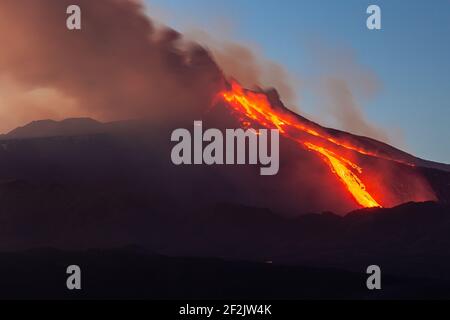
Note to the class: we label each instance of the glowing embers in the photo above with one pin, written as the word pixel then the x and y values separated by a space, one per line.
pixel 256 107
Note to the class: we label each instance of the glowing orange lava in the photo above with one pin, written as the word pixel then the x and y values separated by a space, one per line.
pixel 256 106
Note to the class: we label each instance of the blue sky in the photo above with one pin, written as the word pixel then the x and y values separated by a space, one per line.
pixel 409 56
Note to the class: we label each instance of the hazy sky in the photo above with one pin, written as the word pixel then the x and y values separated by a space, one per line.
pixel 409 56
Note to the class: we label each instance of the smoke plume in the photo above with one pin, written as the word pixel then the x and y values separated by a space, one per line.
pixel 123 65
pixel 247 65
pixel 118 66
pixel 343 85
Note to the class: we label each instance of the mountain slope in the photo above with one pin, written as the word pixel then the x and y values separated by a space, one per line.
pixel 51 128
pixel 119 187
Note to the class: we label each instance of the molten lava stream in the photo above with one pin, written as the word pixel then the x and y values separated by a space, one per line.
pixel 256 107
pixel 350 179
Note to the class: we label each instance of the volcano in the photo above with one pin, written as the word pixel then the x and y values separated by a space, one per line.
pixel 80 184
pixel 322 169
pixel 103 192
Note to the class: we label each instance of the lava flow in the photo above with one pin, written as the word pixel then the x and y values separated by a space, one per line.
pixel 256 107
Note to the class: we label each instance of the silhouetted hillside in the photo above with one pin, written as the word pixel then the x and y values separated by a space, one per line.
pixel 136 274
pixel 51 128
pixel 118 187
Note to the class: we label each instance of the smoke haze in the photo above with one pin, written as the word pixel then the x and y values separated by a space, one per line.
pixel 122 65
pixel 118 66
